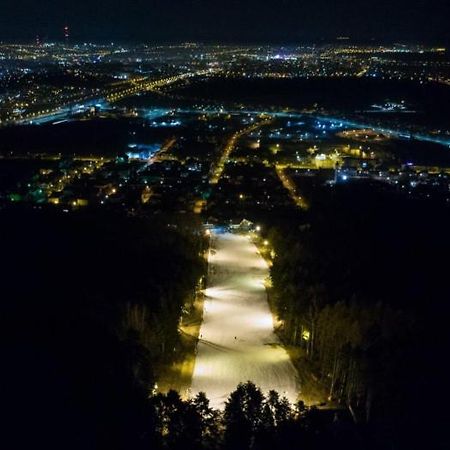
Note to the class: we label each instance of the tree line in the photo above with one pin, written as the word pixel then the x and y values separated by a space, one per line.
pixel 358 284
pixel 90 309
pixel 251 419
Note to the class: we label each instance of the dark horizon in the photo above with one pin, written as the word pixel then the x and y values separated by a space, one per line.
pixel 234 22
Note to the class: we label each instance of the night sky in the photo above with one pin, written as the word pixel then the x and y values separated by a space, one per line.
pixel 280 21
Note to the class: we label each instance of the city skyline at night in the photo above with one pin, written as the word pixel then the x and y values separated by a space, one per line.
pixel 224 225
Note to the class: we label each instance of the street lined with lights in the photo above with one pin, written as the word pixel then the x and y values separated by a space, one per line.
pixel 290 186
pixel 237 340
pixel 129 88
pixel 229 147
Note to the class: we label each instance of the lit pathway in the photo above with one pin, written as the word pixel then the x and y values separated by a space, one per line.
pixel 237 341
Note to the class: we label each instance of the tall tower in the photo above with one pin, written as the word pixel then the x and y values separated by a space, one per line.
pixel 66 33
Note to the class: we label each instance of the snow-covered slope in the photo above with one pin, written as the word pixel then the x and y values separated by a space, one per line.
pixel 237 341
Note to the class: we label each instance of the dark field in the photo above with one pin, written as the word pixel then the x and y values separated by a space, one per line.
pixel 105 137
pixel 346 95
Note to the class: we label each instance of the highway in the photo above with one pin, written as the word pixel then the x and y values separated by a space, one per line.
pixel 237 342
pixel 111 95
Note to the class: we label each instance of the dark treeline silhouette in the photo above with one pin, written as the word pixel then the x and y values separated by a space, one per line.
pixel 361 285
pixel 250 420
pixel 90 306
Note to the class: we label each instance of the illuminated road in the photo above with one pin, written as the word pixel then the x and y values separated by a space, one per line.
pixel 229 147
pixel 111 95
pixel 291 188
pixel 237 341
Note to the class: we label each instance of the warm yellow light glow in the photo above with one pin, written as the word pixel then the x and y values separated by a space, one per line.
pixel 236 340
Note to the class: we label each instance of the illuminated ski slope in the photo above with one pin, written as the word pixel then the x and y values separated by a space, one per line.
pixel 237 341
